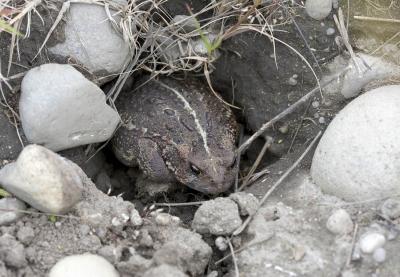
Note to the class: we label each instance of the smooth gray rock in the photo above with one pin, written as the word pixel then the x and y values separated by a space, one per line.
pixel 91 39
pixel 185 22
pixel 12 204
pixel 43 179
pixel 217 217
pixel 61 109
pixel 318 9
pixel 83 266
pixel 358 156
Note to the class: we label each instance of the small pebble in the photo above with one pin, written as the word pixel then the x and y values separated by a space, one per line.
pixel 284 129
pixel 330 31
pixel 213 274
pixel 371 241
pixel 315 104
pixel 13 205
pixel 391 208
pixel 247 202
pixel 292 81
pixel 25 235
pixel 318 9
pixel 135 218
pixel 379 255
pixel 84 229
pixel 58 224
pixel 322 120
pixel 340 222
pixel 221 243
pixel 163 219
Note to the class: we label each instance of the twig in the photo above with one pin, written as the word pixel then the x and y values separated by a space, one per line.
pixel 267 145
pixel 281 179
pixel 60 15
pixel 299 127
pixel 288 111
pixel 245 247
pixel 353 242
pixel 233 257
pixel 39 213
pixel 367 18
pixel 179 204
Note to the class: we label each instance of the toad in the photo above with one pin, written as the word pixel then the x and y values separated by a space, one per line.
pixel 177 130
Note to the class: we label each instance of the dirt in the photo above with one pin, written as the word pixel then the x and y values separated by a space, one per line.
pixel 290 230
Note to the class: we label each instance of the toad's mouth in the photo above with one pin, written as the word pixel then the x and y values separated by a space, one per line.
pixel 211 188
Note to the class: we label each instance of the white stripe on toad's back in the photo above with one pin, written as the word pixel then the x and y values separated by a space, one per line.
pixel 188 108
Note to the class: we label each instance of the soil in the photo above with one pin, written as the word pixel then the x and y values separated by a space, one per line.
pixel 296 213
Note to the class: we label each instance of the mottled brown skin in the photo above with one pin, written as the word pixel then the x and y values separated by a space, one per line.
pixel 160 134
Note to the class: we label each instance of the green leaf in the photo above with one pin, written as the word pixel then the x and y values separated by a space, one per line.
pixel 8 28
pixel 4 193
pixel 53 218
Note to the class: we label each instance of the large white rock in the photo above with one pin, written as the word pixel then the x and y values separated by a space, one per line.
pixel 86 265
pixel 358 157
pixel 61 109
pixel 318 9
pixel 91 39
pixel 45 180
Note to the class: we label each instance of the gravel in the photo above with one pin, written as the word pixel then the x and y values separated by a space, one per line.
pixel 13 205
pixel 12 252
pixel 165 271
pixel 25 235
pixel 217 217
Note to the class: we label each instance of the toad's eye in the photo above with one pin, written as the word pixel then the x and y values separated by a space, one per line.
pixel 195 169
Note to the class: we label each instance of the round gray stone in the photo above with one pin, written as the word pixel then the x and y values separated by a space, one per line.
pixel 217 217
pixel 43 179
pixel 83 266
pixel 358 156
pixel 318 9
pixel 61 109
pixel 91 39
pixel 340 222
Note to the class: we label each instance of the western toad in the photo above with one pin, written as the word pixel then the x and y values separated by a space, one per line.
pixel 177 131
